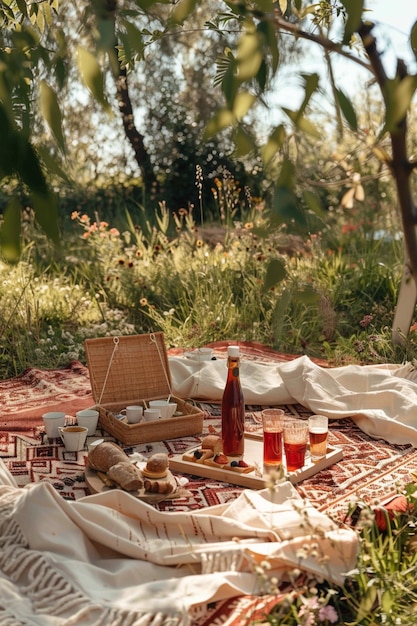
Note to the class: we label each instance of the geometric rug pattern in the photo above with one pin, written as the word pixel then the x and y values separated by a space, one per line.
pixel 370 471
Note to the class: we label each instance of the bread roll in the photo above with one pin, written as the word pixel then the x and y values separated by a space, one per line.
pixel 212 442
pixel 126 476
pixel 157 466
pixel 106 454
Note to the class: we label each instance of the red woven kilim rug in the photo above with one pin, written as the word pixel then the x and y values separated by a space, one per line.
pixel 371 471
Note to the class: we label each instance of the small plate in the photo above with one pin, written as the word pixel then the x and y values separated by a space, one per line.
pixel 201 354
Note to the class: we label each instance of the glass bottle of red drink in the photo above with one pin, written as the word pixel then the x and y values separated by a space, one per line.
pixel 233 407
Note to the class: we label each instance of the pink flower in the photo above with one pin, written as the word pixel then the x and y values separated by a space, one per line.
pixel 328 613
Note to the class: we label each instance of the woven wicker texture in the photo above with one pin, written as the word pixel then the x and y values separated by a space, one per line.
pixel 134 370
pixel 125 368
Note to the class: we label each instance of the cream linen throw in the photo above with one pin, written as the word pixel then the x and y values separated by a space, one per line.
pixel 112 559
pixel 381 399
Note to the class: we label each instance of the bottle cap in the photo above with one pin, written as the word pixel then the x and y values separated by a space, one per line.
pixel 233 351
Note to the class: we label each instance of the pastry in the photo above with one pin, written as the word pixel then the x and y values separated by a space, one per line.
pixel 219 460
pixel 126 475
pixel 158 486
pixel 157 466
pixel 240 466
pixel 197 456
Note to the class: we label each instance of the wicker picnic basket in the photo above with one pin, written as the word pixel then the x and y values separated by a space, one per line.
pixel 131 370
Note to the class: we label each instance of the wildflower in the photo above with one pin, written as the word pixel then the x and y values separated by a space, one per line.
pixel 182 212
pixel 248 225
pixel 114 232
pixel 199 243
pixel 328 613
pixel 143 301
pixel 74 215
pixel 85 219
pixel 139 253
pixel 366 320
pixel 120 262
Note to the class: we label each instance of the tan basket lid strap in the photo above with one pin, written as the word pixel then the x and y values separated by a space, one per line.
pixel 153 339
pixel 115 347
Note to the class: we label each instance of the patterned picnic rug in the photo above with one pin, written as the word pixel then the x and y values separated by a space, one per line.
pixel 370 471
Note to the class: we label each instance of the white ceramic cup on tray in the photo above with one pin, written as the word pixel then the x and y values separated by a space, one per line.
pixel 166 408
pixel 134 413
pixel 151 415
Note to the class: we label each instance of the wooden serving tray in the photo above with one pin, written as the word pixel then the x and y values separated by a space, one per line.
pixel 96 485
pixel 253 456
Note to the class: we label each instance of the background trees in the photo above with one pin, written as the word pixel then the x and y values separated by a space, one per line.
pixel 116 50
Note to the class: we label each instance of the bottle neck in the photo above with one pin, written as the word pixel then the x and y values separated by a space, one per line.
pixel 233 365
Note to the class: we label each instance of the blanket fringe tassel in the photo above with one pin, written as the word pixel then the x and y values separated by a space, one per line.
pixel 49 592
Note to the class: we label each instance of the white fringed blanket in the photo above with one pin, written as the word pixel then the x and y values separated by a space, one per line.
pixel 111 559
pixel 381 399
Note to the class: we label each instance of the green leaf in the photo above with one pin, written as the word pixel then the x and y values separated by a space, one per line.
pixel 10 233
pixel 268 31
pixel 354 10
pixel 287 175
pixel 249 55
pixel 275 273
pixel 242 103
pixel 399 95
pixel 302 123
pixel 92 76
pixel 308 296
pixel 347 109
pixel 286 208
pixel 182 10
pixel 243 141
pixel 312 200
pixel 51 112
pixel 413 39
pixel 274 143
pixel 45 207
pixel 22 7
pixel 221 120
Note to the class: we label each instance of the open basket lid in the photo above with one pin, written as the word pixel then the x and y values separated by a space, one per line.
pixel 128 367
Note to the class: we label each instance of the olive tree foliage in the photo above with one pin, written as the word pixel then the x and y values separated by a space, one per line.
pixel 36 59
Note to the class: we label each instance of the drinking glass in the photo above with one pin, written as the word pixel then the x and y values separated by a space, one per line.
pixel 295 443
pixel 272 420
pixel 318 429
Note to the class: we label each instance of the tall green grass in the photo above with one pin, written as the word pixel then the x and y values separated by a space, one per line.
pixel 165 272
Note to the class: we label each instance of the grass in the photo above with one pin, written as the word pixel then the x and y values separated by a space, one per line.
pixel 381 589
pixel 335 300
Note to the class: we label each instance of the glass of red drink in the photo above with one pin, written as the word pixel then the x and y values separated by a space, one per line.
pixel 272 424
pixel 318 430
pixel 295 434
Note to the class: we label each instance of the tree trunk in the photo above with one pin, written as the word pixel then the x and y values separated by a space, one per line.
pixel 133 135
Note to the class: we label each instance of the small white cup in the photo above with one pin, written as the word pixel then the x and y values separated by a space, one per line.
pixel 151 415
pixel 73 437
pixel 52 421
pixel 166 409
pixel 88 418
pixel 134 413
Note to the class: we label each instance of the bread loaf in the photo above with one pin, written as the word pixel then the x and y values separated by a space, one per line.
pixel 106 454
pixel 213 443
pixel 126 475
